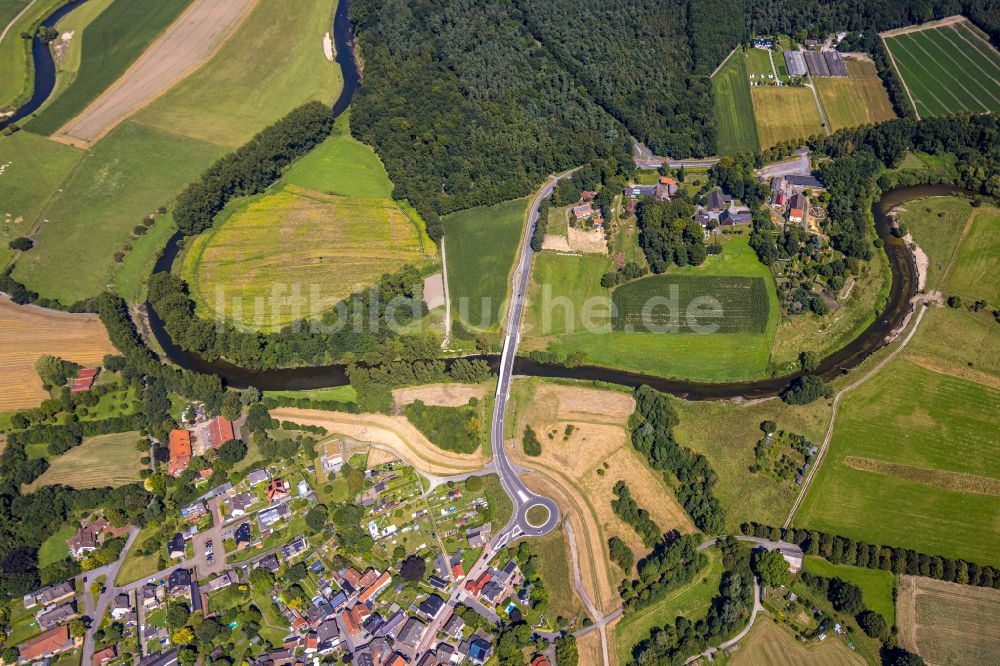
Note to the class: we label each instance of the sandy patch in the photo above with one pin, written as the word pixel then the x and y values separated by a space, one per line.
pixel 328 47
pixel 183 47
pixel 556 243
pixel 28 332
pixel 588 242
pixel 921 259
pixel 440 395
pixel 381 457
pixel 574 403
pixel 434 291
pixel 923 26
pixel 392 432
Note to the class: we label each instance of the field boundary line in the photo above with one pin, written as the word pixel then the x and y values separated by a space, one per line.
pixel 957 80
pixel 920 64
pixel 902 79
pixel 929 25
pixel 821 455
pixel 141 104
pixel 724 61
pixel 447 297
pixel 992 53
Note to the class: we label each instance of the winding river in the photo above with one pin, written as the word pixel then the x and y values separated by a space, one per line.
pixel 875 336
pixel 45 66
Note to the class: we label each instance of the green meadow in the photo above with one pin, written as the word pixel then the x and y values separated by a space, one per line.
pixel 913 462
pixel 974 275
pixel 936 225
pixel 17 81
pixel 481 245
pixel 111 43
pixel 561 280
pixel 734 112
pixel 876 585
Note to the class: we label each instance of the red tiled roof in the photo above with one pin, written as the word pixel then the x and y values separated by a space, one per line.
pixel 457 571
pixel 540 660
pixel 50 642
pixel 352 576
pixel 220 431
pixel 350 624
pixel 376 587
pixel 667 180
pixel 105 655
pixel 276 489
pixel 180 451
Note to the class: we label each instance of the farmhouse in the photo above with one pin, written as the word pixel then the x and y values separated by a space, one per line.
pixel 84 379
pixel 732 218
pixel 220 431
pixel 803 181
pixel 796 207
pixel 583 211
pixel 717 201
pixel 180 452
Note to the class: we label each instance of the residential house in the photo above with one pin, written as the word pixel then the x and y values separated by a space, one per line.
pixel 120 606
pixel 540 660
pixel 667 188
pixel 492 591
pixel 296 547
pixel 175 547
pixel 375 587
pixel 194 511
pixel 391 625
pixel 242 536
pixel 51 594
pixel 796 207
pixel 239 504
pixel 437 582
pixel 179 582
pixel 587 195
pixel 303 488
pixel 327 636
pixel 270 563
pixel 277 489
pixel 50 643
pixel 220 431
pixel 583 211
pixel 478 536
pixel 477 649
pixel 717 201
pixel 411 633
pixel 431 606
pixel 475 587
pixel 258 476
pixel 793 556
pixel 444 653
pixel 351 625
pixel 51 617
pixel 269 517
pixel 453 627
pixel 180 452
pixel 731 218
pixel 152 596
pixel 88 537
pixel 104 656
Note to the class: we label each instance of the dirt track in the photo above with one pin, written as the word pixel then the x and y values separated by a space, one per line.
pixel 393 432
pixel 183 47
pixel 924 26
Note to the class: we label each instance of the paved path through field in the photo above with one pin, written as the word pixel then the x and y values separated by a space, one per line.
pixel 183 47
pixel 16 19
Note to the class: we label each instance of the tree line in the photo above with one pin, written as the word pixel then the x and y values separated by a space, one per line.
pixel 845 550
pixel 652 435
pixel 626 508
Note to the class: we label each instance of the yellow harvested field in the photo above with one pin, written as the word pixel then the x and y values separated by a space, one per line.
pixel 582 430
pixel 104 460
pixel 948 623
pixel 378 457
pixel 768 644
pixel 589 648
pixel 440 395
pixel 391 432
pixel 294 253
pixel 28 332
pixel 860 99
pixel 784 112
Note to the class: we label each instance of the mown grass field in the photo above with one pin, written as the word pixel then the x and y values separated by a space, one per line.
pixel 770 644
pixel 324 246
pixel 734 109
pixel 104 460
pixel 911 416
pixel 481 245
pixel 123 178
pixel 876 585
pixel 110 44
pixel 562 286
pixel 342 165
pixel 784 112
pixel 35 167
pixel 554 567
pixel 973 277
pixel 947 69
pixel 936 225
pixel 860 99
pixel 255 78
pixel 726 433
pixel 54 548
pixel 758 63
pixel 947 623
pixel 692 601
pixel 692 304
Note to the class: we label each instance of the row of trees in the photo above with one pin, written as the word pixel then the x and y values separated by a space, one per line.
pixel 673 562
pixel 626 508
pixel 652 435
pixel 253 167
pixel 845 550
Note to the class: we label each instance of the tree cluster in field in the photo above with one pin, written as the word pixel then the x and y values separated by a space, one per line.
pixel 806 389
pixel 630 271
pixel 673 562
pixel 652 435
pixel 253 167
pixel 674 642
pixel 457 429
pixel 473 110
pixel 669 234
pixel 532 447
pixel 621 554
pixel 626 508
pixel 771 456
pixel 845 550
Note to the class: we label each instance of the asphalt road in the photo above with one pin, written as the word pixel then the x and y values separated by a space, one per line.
pixel 522 498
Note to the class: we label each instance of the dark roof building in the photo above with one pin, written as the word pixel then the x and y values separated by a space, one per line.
pixel 411 633
pixel 431 606
pixel 717 201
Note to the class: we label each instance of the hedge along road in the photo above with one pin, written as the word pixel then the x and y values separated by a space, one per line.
pixel 185 45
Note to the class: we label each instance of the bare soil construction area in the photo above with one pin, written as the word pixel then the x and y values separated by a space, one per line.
pixel 392 432
pixel 577 240
pixel 27 332
pixel 183 47
pixel 947 623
